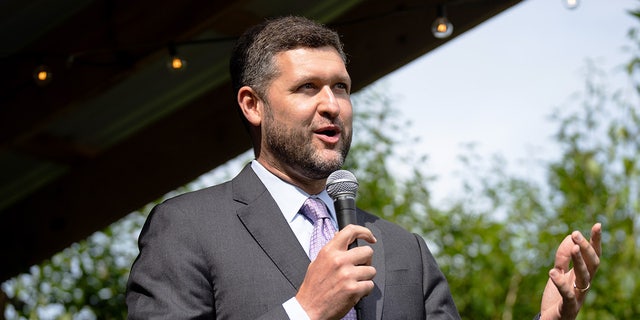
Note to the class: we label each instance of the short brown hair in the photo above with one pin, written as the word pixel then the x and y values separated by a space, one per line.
pixel 252 60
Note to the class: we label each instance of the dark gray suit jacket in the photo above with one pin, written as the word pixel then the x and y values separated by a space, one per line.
pixel 226 252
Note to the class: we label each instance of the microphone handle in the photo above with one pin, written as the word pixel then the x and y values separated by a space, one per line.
pixel 346 213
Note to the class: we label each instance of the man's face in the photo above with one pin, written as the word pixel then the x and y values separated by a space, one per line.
pixel 306 128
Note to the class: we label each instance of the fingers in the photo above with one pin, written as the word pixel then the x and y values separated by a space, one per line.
pixel 568 308
pixel 565 300
pixel 357 255
pixel 596 238
pixel 358 258
pixel 569 285
pixel 589 251
pixel 562 283
pixel 563 254
pixel 582 275
pixel 349 234
pixel 361 256
pixel 338 278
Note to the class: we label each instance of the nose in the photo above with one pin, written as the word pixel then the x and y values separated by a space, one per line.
pixel 328 105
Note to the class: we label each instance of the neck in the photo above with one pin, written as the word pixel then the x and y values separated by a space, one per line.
pixel 308 185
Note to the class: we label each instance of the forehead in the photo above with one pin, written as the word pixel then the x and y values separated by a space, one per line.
pixel 306 62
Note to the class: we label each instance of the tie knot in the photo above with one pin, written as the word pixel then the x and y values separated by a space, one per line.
pixel 314 209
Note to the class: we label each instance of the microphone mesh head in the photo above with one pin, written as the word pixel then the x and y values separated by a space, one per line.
pixel 342 183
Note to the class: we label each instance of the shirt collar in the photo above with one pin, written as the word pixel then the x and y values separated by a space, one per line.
pixel 288 197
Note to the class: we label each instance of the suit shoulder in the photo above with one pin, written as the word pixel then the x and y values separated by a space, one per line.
pixel 210 194
pixel 196 206
pixel 385 226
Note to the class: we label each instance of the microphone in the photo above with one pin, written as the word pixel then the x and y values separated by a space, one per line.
pixel 342 187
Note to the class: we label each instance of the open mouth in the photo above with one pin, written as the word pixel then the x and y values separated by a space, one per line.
pixel 328 132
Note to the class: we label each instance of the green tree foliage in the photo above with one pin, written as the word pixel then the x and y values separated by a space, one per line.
pixel 495 242
pixel 486 260
pixel 85 281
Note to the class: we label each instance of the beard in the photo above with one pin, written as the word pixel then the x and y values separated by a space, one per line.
pixel 294 147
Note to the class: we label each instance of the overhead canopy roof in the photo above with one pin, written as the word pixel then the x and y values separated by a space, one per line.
pixel 114 129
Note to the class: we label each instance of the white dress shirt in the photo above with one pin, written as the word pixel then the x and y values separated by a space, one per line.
pixel 289 199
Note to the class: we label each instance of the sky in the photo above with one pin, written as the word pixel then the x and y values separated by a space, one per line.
pixel 497 84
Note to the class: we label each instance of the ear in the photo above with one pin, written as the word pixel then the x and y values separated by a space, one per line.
pixel 251 105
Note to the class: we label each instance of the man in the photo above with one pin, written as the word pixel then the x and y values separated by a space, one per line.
pixel 246 250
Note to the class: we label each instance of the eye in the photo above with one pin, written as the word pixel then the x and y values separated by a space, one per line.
pixel 307 86
pixel 342 86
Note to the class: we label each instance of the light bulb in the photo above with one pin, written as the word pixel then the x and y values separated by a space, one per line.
pixel 441 27
pixel 571 4
pixel 42 75
pixel 176 63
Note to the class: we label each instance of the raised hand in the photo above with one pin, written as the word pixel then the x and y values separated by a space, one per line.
pixel 567 288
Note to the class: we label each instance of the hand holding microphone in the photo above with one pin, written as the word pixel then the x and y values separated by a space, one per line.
pixel 342 187
pixel 328 289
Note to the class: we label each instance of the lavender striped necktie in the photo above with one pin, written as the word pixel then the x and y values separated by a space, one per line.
pixel 323 231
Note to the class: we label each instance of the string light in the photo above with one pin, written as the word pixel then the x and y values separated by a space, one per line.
pixel 42 75
pixel 176 63
pixel 441 27
pixel 571 4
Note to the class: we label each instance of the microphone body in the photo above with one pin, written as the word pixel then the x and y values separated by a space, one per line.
pixel 345 211
pixel 342 187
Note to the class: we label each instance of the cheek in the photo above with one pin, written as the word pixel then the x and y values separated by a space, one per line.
pixel 346 113
pixel 296 118
pixel 295 110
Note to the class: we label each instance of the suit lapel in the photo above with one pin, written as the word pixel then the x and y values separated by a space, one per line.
pixel 264 221
pixel 374 301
